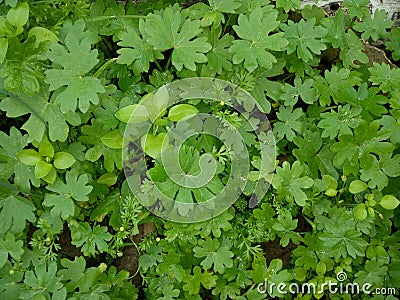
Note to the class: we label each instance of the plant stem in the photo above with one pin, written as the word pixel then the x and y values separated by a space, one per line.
pixel 104 66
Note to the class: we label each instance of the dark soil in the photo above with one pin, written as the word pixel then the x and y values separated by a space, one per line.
pixel 273 249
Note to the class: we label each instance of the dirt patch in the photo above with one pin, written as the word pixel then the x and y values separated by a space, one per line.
pixel 273 249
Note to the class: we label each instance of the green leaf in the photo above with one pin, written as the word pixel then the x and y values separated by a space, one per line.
pixel 340 237
pixel 287 5
pixel 377 174
pixel 9 246
pixel 42 168
pixel 305 38
pixel 63 160
pixel 10 145
pixel 289 124
pixel 336 27
pixel 336 124
pixel 132 114
pixel 42 34
pixel 136 50
pixel 29 157
pixel 152 144
pixel 43 115
pixel 34 279
pixel 352 54
pixel 389 202
pixel 151 258
pixel 182 111
pixel 220 257
pixel 107 179
pixel 62 202
pixel 254 44
pixel 91 135
pixel 393 126
pixel 113 139
pixel 336 85
pixel 288 182
pixel 92 241
pixel 393 43
pixel 357 8
pixel 383 75
pixel 76 275
pixel 46 149
pixel 206 279
pixel 216 225
pixel 360 212
pixel 353 152
pixel 375 27
pixel 357 186
pixel 374 273
pixel 169 29
pixel 15 212
pixel 77 59
pixel 219 58
pixel 18 15
pixel 301 89
pixel 3 49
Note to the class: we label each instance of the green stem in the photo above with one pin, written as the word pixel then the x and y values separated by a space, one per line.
pixel 158 66
pixel 104 66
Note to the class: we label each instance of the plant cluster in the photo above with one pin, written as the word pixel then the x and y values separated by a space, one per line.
pixel 73 72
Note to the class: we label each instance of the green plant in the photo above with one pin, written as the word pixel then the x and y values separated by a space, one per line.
pixel 77 76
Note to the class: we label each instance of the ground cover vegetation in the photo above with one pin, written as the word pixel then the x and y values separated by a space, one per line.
pixel 72 72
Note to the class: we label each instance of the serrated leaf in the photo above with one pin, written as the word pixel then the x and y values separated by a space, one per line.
pixel 75 188
pixel 168 29
pixel 15 212
pixel 76 60
pixel 289 123
pixel 254 44
pixel 10 246
pixel 219 58
pixel 220 257
pixel 91 240
pixel 305 38
pixel 136 50
pixel 43 115
pixel 375 27
pixel 290 182
pixel 10 145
